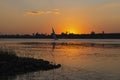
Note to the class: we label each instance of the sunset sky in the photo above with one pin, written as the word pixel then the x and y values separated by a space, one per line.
pixel 74 16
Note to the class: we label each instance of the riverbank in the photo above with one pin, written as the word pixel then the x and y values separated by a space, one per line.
pixel 10 64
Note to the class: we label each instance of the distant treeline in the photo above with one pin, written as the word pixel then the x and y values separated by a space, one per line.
pixel 66 36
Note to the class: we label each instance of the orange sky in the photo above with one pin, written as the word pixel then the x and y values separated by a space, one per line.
pixel 74 16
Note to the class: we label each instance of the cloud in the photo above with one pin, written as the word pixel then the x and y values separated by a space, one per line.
pixel 54 11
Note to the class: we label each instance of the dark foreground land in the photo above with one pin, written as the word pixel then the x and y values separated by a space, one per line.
pixel 10 64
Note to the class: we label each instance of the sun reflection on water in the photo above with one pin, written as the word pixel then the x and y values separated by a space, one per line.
pixel 79 60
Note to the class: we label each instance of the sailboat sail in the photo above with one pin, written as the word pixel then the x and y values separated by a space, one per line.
pixel 53 34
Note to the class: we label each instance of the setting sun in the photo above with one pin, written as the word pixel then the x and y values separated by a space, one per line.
pixel 70 30
pixel 73 31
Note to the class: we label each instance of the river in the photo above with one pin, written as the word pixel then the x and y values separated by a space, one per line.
pixel 81 59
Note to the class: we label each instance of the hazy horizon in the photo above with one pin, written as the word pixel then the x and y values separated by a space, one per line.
pixel 73 16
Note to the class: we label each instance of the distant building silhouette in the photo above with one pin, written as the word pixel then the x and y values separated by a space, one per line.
pixel 103 32
pixel 92 33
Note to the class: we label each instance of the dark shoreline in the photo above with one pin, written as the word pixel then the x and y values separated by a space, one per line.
pixel 11 64
pixel 63 36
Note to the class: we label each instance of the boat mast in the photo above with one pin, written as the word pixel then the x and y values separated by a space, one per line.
pixel 53 34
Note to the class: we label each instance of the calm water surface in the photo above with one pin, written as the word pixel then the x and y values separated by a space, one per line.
pixel 81 59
